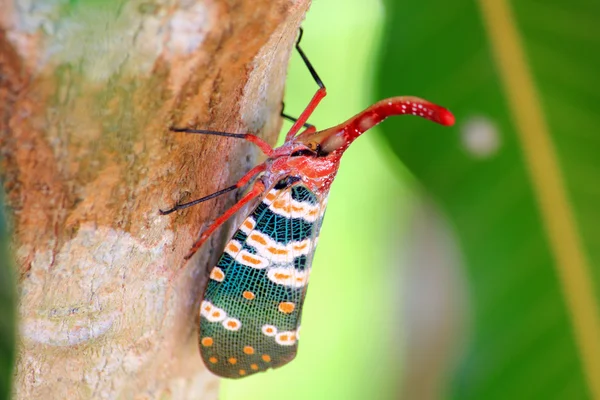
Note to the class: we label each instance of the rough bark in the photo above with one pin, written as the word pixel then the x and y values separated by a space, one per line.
pixel 108 308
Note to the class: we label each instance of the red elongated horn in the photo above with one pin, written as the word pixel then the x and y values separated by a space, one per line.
pixel 404 105
pixel 339 137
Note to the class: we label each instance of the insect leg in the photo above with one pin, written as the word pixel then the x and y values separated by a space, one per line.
pixel 256 191
pixel 292 119
pixel 242 182
pixel 308 64
pixel 321 92
pixel 264 146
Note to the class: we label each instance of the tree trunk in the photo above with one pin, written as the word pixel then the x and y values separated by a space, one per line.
pixel 108 307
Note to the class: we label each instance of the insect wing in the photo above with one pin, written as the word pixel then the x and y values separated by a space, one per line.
pixel 252 306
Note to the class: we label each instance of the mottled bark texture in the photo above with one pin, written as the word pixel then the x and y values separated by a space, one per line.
pixel 88 90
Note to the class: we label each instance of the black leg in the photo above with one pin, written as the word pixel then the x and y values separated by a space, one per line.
pixel 192 203
pixel 209 132
pixel 307 62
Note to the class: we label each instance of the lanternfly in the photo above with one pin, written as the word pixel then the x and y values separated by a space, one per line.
pixel 250 315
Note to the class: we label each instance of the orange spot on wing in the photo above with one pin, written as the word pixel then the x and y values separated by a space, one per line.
pixel 258 238
pixel 266 358
pixel 248 295
pixel 242 372
pixel 232 361
pixel 282 205
pixel 249 350
pixel 248 224
pixel 216 314
pixel 269 330
pixel 300 246
pixel 284 338
pixel 232 324
pixel 250 259
pixel 207 341
pixel 287 307
pixel 254 367
pixel 270 196
pixel 217 274
pixel 232 247
pixel 273 250
pixel 281 276
pixel 213 360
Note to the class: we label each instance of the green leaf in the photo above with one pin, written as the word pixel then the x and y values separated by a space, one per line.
pixel 518 177
pixel 7 311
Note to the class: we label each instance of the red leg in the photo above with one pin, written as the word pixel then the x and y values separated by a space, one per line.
pixel 262 145
pixel 256 191
pixel 322 92
pixel 251 174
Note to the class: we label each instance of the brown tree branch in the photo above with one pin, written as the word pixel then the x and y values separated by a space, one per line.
pixel 88 91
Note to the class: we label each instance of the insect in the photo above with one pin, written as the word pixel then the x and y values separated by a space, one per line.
pixel 250 315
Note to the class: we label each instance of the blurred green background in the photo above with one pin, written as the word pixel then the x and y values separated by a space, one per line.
pixel 7 309
pixel 454 262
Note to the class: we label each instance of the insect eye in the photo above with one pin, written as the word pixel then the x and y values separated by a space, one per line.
pixel 319 150
pixel 303 152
